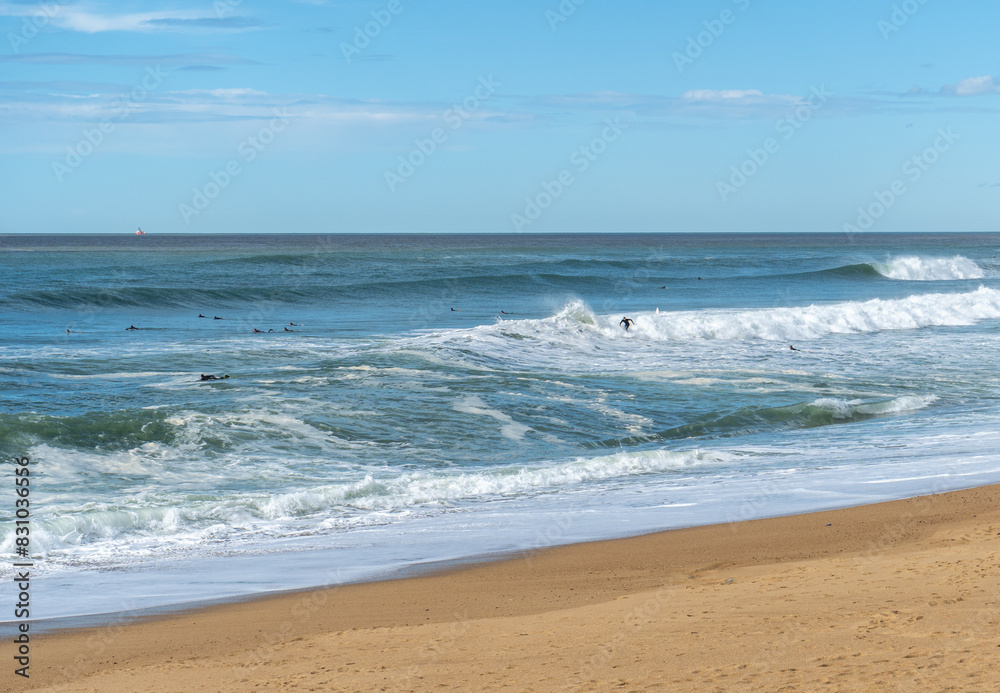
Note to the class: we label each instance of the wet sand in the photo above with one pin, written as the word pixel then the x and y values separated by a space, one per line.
pixel 895 596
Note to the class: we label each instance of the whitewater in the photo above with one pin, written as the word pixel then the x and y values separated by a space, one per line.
pixel 433 399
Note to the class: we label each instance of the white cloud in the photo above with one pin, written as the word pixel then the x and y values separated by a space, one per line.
pixel 974 86
pixel 75 18
pixel 722 94
pixel 224 93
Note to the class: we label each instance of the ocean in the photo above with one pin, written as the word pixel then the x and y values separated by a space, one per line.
pixel 412 401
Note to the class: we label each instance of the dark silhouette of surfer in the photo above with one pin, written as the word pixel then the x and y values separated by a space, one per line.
pixel 131 327
pixel 213 377
pixel 258 331
pixel 793 348
pixel 288 330
pixel 218 318
pixel 202 316
pixel 294 325
pixel 627 322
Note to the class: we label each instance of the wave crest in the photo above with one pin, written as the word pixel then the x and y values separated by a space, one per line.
pixel 922 269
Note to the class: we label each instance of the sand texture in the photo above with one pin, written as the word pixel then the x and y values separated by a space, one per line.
pixel 900 596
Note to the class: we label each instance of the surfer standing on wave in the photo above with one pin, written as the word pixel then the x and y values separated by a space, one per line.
pixel 627 322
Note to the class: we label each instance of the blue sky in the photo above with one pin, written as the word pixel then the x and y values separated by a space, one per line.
pixel 523 116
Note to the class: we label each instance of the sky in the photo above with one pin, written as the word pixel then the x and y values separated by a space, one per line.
pixel 523 116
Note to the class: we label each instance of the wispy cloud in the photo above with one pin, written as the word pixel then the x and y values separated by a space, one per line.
pixel 973 86
pixel 77 18
pixel 176 59
pixel 223 93
pixel 27 101
pixel 702 104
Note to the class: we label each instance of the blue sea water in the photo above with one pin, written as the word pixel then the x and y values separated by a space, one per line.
pixel 445 397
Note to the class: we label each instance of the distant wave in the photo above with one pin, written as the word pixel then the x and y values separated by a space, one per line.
pixel 922 269
pixel 94 298
pixel 914 269
pixel 309 291
pixel 909 268
pixel 821 412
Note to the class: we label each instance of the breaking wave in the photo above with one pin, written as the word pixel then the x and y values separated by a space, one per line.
pixel 922 269
pixel 576 320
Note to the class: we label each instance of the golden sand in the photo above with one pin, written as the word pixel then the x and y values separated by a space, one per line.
pixel 900 596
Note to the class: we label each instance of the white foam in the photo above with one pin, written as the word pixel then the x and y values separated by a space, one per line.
pixel 99 532
pixel 845 409
pixel 509 429
pixel 921 269
pixel 774 324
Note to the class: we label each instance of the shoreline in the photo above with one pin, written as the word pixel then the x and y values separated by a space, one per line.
pixel 589 584
pixel 414 569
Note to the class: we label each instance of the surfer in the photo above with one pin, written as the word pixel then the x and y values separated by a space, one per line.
pixel 793 348
pixel 131 327
pixel 294 325
pixel 627 322
pixel 288 330
pixel 213 377
pixel 258 331
pixel 218 318
pixel 202 316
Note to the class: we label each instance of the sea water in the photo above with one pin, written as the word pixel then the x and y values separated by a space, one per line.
pixel 440 398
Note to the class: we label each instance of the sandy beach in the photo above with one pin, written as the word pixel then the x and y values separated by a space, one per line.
pixel 896 596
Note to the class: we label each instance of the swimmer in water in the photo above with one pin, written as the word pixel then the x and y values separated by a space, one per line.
pixel 627 322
